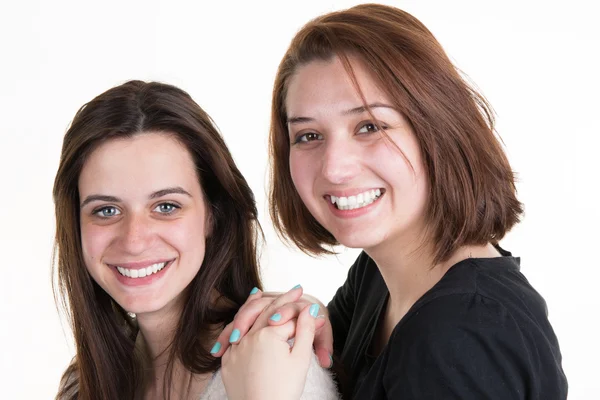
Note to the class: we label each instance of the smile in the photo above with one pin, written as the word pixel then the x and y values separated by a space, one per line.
pixel 358 201
pixel 142 272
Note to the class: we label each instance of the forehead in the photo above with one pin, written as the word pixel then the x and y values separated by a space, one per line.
pixel 146 161
pixel 326 86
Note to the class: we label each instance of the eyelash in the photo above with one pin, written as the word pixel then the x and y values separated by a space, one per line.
pixel 97 212
pixel 175 208
pixel 300 138
pixel 374 125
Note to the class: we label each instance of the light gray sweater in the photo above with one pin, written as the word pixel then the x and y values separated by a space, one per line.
pixel 319 385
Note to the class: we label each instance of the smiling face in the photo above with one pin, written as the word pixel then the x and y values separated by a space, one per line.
pixel 143 220
pixel 353 179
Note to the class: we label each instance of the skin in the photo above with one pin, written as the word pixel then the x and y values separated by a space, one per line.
pixel 337 149
pixel 142 203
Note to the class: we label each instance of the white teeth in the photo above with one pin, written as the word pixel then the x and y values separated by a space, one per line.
pixel 357 201
pixel 352 202
pixel 142 272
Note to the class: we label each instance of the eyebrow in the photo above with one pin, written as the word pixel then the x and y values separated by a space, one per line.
pixel 155 195
pixel 352 111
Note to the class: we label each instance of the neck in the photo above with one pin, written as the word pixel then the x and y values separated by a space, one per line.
pixel 157 330
pixel 409 272
pixel 156 334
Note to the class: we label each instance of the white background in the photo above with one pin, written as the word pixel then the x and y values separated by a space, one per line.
pixel 536 61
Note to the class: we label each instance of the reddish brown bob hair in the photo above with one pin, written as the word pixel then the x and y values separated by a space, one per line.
pixel 472 195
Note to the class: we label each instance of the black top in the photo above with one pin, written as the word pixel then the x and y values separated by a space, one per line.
pixel 481 332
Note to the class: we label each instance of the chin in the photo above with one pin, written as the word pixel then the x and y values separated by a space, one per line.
pixel 141 305
pixel 357 240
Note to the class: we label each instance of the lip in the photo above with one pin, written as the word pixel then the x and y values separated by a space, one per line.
pixel 357 212
pixel 147 280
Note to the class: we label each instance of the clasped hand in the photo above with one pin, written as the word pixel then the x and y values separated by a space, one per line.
pixel 259 360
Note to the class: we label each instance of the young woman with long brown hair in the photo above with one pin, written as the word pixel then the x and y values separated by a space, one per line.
pixel 378 143
pixel 156 236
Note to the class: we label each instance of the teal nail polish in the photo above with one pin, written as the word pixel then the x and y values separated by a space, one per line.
pixel 254 291
pixel 275 317
pixel 331 361
pixel 216 348
pixel 235 336
pixel 296 287
pixel 314 310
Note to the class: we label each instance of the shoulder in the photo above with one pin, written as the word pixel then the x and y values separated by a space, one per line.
pixel 485 301
pixel 482 331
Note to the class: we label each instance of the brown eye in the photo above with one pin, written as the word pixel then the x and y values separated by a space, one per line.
pixel 370 127
pixel 308 137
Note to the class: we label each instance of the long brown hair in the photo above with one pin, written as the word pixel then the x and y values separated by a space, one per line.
pixel 472 195
pixel 106 365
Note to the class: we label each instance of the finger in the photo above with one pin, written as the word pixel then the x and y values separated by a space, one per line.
pixel 246 317
pixel 305 332
pixel 222 342
pixel 283 332
pixel 287 312
pixel 289 297
pixel 324 343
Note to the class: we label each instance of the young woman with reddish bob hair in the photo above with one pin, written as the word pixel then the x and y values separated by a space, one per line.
pixel 378 143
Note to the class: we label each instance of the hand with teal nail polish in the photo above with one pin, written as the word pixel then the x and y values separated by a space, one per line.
pixel 278 372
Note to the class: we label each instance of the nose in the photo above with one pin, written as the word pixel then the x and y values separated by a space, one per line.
pixel 340 162
pixel 136 234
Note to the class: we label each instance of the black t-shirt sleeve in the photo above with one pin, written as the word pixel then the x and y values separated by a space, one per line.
pixel 341 308
pixel 461 346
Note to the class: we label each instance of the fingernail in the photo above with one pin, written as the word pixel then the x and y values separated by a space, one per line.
pixel 275 317
pixel 314 310
pixel 254 291
pixel 330 361
pixel 216 348
pixel 235 336
pixel 296 287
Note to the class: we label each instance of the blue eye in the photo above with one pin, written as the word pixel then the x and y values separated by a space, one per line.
pixel 107 212
pixel 308 137
pixel 166 208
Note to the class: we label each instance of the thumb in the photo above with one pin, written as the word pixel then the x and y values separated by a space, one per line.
pixel 305 331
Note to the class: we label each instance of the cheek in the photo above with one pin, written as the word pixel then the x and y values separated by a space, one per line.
pixel 94 242
pixel 302 173
pixel 188 236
